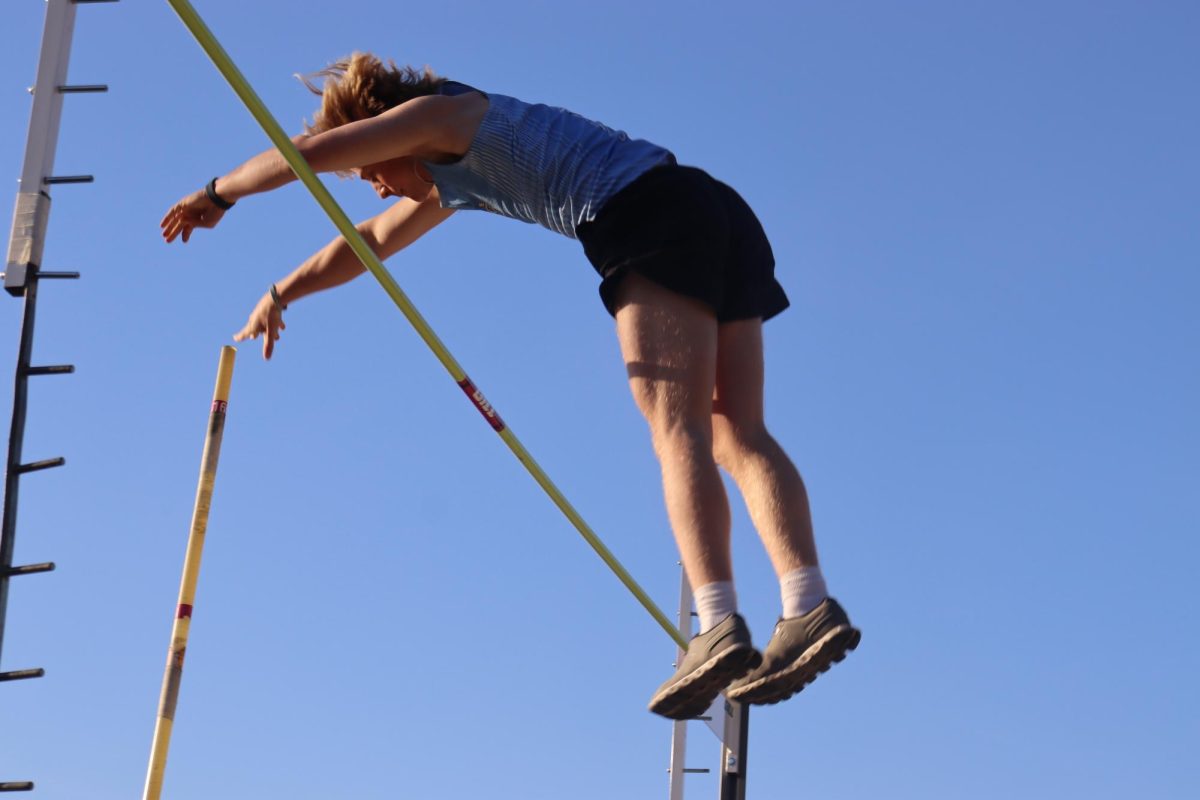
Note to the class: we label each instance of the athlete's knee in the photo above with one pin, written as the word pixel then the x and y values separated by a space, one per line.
pixel 735 444
pixel 676 436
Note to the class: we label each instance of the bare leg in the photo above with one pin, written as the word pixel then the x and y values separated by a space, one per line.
pixel 669 343
pixel 773 490
pixel 805 645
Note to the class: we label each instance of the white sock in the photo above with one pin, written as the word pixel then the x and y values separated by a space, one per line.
pixel 714 602
pixel 802 590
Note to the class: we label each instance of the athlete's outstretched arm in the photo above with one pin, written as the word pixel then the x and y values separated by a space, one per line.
pixel 421 126
pixel 387 234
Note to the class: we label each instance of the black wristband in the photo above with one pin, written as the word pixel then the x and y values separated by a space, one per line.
pixel 210 189
pixel 275 297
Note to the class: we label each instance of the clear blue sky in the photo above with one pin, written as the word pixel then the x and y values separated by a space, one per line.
pixel 987 218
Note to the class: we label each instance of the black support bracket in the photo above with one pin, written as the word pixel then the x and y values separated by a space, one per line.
pixel 28 569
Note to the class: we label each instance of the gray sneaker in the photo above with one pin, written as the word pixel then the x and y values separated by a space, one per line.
pixel 800 649
pixel 713 659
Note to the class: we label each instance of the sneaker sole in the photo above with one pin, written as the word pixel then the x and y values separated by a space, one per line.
pixel 692 695
pixel 830 649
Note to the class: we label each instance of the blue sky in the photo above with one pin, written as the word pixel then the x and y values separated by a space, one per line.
pixel 986 217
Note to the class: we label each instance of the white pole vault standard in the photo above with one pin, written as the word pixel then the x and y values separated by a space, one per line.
pixel 208 42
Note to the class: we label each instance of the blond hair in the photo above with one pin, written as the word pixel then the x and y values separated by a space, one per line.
pixel 361 86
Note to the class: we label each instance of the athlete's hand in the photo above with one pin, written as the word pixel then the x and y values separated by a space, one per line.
pixel 193 211
pixel 266 320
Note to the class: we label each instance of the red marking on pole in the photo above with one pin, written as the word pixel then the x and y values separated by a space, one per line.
pixel 184 612
pixel 482 404
pixel 219 406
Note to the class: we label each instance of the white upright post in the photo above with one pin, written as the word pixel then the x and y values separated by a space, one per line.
pixel 32 211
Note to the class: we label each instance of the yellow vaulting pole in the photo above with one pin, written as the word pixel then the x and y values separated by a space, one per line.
pixel 224 64
pixel 191 573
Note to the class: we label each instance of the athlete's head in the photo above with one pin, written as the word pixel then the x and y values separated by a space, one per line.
pixel 361 86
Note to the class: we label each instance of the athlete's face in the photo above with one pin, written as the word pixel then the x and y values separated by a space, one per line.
pixel 398 177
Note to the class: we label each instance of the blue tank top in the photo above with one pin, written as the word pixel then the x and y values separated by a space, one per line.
pixel 541 164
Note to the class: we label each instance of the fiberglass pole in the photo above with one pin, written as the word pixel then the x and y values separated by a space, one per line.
pixel 191 575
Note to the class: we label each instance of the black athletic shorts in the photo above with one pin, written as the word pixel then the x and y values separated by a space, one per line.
pixel 689 232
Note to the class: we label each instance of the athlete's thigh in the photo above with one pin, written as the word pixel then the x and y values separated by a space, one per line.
pixel 738 393
pixel 669 343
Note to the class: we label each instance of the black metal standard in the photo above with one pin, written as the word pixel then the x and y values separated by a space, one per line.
pixel 15 468
pixel 83 88
pixel 733 771
pixel 17 786
pixel 22 275
pixel 57 179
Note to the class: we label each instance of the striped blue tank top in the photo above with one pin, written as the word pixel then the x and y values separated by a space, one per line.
pixel 542 164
